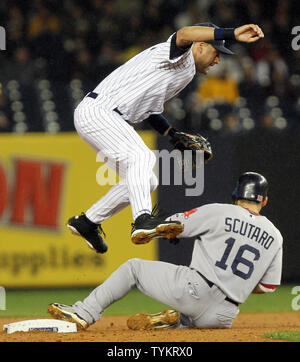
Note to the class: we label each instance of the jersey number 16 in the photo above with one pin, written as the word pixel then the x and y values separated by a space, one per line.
pixel 239 259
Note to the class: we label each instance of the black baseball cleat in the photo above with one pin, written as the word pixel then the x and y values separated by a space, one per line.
pixel 91 232
pixel 147 227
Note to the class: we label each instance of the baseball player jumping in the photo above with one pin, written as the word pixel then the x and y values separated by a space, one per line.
pixel 134 92
pixel 237 251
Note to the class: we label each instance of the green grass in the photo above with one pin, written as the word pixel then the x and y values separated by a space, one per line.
pixel 276 302
pixel 31 303
pixel 292 336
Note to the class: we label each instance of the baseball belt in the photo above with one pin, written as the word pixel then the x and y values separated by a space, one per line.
pixel 94 95
pixel 211 284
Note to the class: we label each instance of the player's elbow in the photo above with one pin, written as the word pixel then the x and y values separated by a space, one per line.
pixel 262 288
pixel 181 33
pixel 182 38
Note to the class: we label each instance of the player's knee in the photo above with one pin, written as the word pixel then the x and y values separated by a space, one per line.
pixel 133 262
pixel 133 265
pixel 146 158
pixel 153 182
pixel 152 158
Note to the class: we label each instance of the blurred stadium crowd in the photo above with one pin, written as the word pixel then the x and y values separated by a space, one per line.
pixel 57 51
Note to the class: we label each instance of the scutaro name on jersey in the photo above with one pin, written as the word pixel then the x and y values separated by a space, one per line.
pixel 250 231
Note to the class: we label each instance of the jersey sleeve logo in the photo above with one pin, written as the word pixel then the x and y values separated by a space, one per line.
pixel 188 213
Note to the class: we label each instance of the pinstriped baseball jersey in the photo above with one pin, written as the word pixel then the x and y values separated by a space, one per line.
pixel 137 89
pixel 142 85
pixel 234 248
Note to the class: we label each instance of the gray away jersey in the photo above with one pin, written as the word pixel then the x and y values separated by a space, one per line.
pixel 142 85
pixel 234 248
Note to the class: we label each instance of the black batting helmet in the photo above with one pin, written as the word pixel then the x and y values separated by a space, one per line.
pixel 251 186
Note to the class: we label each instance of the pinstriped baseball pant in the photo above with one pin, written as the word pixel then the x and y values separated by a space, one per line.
pixel 122 149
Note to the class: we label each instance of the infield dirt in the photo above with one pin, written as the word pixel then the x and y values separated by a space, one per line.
pixel 246 328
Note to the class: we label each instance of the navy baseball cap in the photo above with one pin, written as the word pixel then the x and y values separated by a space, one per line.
pixel 218 44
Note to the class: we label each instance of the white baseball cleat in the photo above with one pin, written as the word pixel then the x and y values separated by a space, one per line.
pixel 66 313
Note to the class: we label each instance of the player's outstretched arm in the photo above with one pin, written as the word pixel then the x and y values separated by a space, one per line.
pixel 191 220
pixel 189 34
pixel 248 33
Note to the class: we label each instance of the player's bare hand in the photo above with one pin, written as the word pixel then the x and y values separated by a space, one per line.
pixel 248 33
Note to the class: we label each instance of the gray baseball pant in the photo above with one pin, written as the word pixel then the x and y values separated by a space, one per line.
pixel 180 287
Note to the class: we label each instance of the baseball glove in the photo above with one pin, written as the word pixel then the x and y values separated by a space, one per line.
pixel 183 141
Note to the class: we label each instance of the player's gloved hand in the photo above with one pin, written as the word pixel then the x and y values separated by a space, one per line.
pixel 184 141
